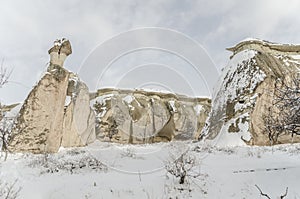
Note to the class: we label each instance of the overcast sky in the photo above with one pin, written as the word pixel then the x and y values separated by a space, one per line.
pixel 28 29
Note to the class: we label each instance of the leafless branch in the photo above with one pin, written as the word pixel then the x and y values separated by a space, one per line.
pixel 9 191
pixel 283 117
pixel 285 194
pixel 182 167
pixel 6 124
pixel 261 193
pixel 4 74
pixel 267 196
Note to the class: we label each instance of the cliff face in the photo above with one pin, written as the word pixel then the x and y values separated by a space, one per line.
pixel 128 116
pixel 245 92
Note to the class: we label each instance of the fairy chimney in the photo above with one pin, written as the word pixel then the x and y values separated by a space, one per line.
pixel 59 52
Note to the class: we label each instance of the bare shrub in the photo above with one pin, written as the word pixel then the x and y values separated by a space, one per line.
pixel 283 116
pixel 4 74
pixel 71 162
pixel 6 124
pixel 267 196
pixel 9 190
pixel 182 167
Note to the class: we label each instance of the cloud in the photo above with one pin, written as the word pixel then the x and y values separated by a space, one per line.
pixel 29 27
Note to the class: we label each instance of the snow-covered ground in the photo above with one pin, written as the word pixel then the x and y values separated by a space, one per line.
pixel 105 170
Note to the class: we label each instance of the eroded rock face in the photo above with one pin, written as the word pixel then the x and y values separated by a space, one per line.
pixel 44 123
pixel 39 125
pixel 245 92
pixel 127 116
pixel 79 118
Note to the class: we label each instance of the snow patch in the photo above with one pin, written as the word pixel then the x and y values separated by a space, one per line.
pixel 226 138
pixel 128 99
pixel 198 108
pixel 172 104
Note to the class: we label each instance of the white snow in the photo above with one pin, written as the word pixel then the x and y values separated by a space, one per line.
pixel 237 81
pixel 158 90
pixel 226 138
pixel 172 104
pixel 68 100
pixel 251 39
pixel 198 109
pixel 14 111
pixel 237 84
pixel 128 99
pixel 103 112
pixel 295 56
pixel 101 99
pixel 137 171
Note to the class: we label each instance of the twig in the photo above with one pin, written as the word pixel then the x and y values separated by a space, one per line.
pixel 285 194
pixel 261 193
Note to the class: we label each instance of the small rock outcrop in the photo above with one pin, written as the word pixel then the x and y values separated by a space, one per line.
pixel 245 92
pixel 59 52
pixel 44 123
pixel 137 116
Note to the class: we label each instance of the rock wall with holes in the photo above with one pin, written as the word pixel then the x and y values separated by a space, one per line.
pixel 245 92
pixel 137 116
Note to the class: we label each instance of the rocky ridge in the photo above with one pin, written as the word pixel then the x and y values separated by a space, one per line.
pixel 137 116
pixel 61 112
pixel 58 112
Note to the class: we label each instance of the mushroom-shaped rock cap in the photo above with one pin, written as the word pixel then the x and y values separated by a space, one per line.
pixel 264 46
pixel 61 46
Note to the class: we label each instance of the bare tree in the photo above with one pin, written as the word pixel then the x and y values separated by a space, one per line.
pixel 267 196
pixel 182 167
pixel 9 190
pixel 6 124
pixel 4 74
pixel 283 117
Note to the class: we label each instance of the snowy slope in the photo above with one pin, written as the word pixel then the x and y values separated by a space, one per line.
pixel 240 76
pixel 105 170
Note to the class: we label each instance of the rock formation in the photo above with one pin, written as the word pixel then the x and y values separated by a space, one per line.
pixel 246 90
pixel 59 52
pixel 60 111
pixel 44 124
pixel 136 116
pixel 79 118
pixel 40 123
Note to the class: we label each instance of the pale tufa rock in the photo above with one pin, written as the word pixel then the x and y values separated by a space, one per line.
pixel 40 121
pixel 44 123
pixel 59 52
pixel 245 92
pixel 79 119
pixel 136 116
